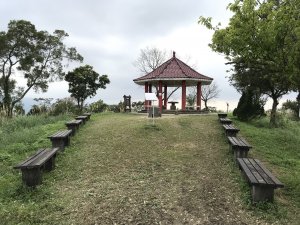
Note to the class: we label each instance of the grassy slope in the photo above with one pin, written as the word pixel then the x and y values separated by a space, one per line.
pixel 278 148
pixel 121 170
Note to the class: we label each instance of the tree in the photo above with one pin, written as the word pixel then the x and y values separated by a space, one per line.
pixel 250 105
pixel 84 82
pixel 37 55
pixel 149 59
pixel 209 92
pixel 257 43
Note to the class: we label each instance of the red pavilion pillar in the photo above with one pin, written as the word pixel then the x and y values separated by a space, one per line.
pixel 146 91
pixel 199 93
pixel 165 96
pixel 183 97
pixel 150 91
pixel 160 96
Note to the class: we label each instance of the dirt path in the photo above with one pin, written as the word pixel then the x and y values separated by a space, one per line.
pixel 120 170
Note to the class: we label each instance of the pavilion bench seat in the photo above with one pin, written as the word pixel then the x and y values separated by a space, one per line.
pixel 225 121
pixel 73 125
pixel 83 118
pixel 261 180
pixel 222 115
pixel 239 146
pixel 88 115
pixel 61 139
pixel 43 159
pixel 230 130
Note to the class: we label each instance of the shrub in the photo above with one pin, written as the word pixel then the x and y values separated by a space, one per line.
pixel 250 105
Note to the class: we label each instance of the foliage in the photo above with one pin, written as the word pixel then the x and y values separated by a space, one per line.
pixel 63 106
pixel 190 99
pixel 260 43
pixel 293 106
pixel 250 105
pixel 84 82
pixel 37 55
pixel 138 106
pixel 98 106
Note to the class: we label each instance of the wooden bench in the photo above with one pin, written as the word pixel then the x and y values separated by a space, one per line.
pixel 222 115
pixel 61 139
pixel 88 115
pixel 225 121
pixel 230 130
pixel 83 118
pixel 73 125
pixel 43 159
pixel 239 146
pixel 261 180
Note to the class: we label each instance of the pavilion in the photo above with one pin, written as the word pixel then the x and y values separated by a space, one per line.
pixel 173 73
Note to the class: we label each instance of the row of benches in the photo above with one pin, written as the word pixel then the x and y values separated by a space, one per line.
pixel 44 159
pixel 261 180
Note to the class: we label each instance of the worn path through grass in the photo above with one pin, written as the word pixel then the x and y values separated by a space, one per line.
pixel 121 170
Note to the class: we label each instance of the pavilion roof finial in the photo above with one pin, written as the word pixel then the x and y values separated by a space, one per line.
pixel 174 54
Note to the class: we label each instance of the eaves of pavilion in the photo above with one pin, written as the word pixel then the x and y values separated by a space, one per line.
pixel 173 73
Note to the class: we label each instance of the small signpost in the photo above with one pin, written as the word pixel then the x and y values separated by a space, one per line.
pixel 151 97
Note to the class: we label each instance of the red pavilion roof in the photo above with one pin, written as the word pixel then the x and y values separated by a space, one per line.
pixel 174 70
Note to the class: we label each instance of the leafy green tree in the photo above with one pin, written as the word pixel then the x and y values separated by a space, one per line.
pixel 258 43
pixel 84 82
pixel 63 106
pixel 38 55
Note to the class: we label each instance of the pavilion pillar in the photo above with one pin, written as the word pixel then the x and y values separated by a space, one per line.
pixel 160 96
pixel 150 91
pixel 146 91
pixel 183 97
pixel 165 95
pixel 199 93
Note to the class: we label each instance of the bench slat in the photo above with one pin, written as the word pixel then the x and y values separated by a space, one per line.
pixel 74 122
pixel 38 159
pixel 262 173
pixel 255 173
pixel 245 168
pixel 271 176
pixel 61 134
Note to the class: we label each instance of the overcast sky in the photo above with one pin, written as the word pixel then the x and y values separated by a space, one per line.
pixel 109 34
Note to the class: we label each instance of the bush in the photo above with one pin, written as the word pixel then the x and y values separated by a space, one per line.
pixel 250 106
pixel 98 106
pixel 293 106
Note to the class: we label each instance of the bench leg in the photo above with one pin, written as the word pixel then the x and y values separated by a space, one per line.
pixel 50 164
pixel 262 193
pixel 231 133
pixel 240 153
pixel 60 143
pixel 67 141
pixel 32 177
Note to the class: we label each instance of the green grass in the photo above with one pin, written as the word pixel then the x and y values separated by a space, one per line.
pixel 120 169
pixel 278 148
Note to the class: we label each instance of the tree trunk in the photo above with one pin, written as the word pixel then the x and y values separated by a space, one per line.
pixel 298 100
pixel 205 104
pixel 7 98
pixel 273 121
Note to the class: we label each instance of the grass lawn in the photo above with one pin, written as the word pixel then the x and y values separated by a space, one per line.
pixel 121 170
